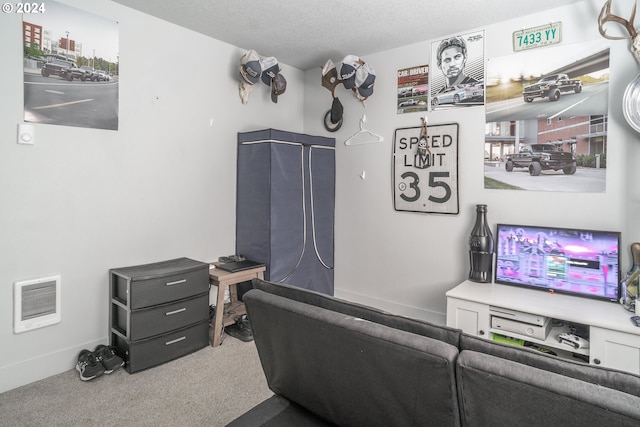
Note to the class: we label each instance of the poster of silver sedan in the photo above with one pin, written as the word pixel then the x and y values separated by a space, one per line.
pixel 71 68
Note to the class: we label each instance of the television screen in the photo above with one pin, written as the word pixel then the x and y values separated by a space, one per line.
pixel 578 262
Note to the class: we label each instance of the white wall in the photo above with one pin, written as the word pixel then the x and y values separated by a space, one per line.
pixel 82 201
pixel 405 262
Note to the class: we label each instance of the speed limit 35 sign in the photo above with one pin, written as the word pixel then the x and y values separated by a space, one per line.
pixel 426 180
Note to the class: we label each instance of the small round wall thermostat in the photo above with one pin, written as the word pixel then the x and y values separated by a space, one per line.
pixel 26 134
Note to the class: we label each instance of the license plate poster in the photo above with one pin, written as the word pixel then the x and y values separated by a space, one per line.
pixel 425 176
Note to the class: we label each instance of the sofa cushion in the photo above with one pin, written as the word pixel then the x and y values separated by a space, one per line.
pixel 350 371
pixel 611 378
pixel 277 412
pixel 494 391
pixel 441 333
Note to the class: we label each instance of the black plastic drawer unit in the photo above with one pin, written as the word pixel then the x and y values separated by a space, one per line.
pixel 159 311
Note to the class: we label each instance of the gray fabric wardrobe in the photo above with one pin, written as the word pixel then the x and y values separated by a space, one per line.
pixel 285 206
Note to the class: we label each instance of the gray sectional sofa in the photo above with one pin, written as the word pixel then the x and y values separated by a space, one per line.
pixel 331 362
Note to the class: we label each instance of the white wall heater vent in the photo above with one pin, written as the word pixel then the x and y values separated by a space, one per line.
pixel 36 303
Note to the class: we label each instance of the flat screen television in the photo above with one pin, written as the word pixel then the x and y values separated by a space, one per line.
pixel 584 263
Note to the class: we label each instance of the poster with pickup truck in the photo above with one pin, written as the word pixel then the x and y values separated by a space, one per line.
pixel 547 118
pixel 551 87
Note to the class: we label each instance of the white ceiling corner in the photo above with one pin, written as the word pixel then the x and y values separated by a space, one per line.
pixel 305 33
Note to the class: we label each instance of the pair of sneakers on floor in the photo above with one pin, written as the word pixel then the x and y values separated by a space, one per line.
pixel 241 329
pixel 102 360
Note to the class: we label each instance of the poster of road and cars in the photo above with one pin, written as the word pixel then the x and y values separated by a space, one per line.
pixel 546 108
pixel 70 67
pixel 413 89
pixel 546 118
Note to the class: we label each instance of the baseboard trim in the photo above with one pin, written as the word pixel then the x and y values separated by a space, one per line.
pixel 393 307
pixel 41 367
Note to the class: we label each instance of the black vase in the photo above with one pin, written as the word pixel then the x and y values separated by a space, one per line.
pixel 635 256
pixel 481 248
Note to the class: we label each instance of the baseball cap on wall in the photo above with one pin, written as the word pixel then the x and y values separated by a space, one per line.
pixel 278 86
pixel 270 69
pixel 348 68
pixel 330 75
pixel 336 111
pixel 250 69
pixel 364 80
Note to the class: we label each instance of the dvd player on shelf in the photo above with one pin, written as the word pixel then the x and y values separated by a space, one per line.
pixel 517 316
pixel 534 331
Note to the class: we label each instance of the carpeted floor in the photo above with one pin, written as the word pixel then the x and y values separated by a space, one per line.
pixel 210 387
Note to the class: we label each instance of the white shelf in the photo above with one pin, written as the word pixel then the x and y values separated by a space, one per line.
pixel 550 342
pixel 604 314
pixel 614 340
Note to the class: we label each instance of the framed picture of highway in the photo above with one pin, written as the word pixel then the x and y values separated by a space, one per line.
pixel 425 169
pixel 71 67
pixel 547 119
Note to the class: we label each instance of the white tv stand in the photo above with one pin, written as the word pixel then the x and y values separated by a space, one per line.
pixel 614 340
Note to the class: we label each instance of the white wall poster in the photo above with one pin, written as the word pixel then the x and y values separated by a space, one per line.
pixel 71 67
pixel 457 71
pixel 547 119
pixel 413 89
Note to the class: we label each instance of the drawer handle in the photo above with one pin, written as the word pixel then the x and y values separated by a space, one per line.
pixel 180 310
pixel 175 341
pixel 177 282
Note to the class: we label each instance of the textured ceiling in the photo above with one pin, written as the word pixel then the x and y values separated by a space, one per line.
pixel 305 33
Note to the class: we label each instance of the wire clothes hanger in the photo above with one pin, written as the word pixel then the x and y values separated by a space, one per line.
pixel 363 136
